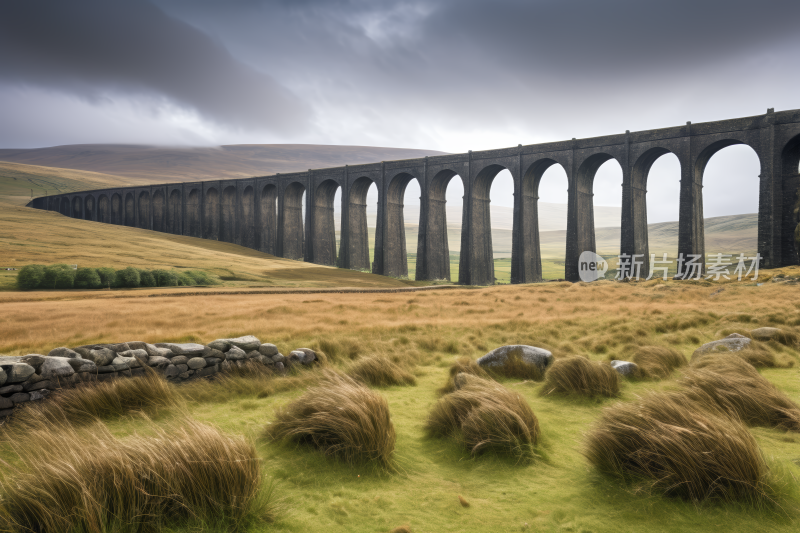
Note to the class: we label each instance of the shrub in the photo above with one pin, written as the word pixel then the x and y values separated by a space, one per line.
pixel 462 365
pixel 55 279
pixel 65 279
pixel 579 376
pixel 657 362
pixel 97 482
pixel 200 277
pixel 735 387
pixel 146 279
pixel 30 277
pixel 128 277
pixel 165 278
pixel 184 280
pixel 380 371
pixel 485 416
pixel 87 278
pixel 108 276
pixel 342 419
pixel 678 448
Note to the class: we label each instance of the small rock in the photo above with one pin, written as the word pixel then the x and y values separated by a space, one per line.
pixel 105 369
pixel 225 366
pixel 124 363
pixel 268 349
pixel 235 354
pixel 130 345
pixel 56 367
pixel 157 360
pixel 141 355
pixel 20 397
pixel 213 354
pixel 189 348
pixel 732 343
pixel 263 359
pixel 10 389
pixel 179 359
pixel 85 349
pixel 207 371
pixel 184 375
pixel 279 367
pixel 155 351
pixel 63 352
pixel 82 365
pixel 34 359
pixel 101 356
pixel 528 354
pixel 3 376
pixel 210 361
pixel 28 386
pixel 182 368
pixel 220 344
pixel 196 363
pixel 6 403
pixel 39 395
pixel 18 372
pixel 309 355
pixel 171 371
pixel 278 358
pixel 253 354
pixel 6 412
pixel 770 334
pixel 246 343
pixel 625 368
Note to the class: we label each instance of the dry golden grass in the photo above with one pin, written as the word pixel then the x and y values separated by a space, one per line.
pixel 462 365
pixel 87 480
pixel 657 362
pixel 96 400
pixel 380 371
pixel 341 418
pixel 671 445
pixel 756 353
pixel 736 387
pixel 484 416
pixel 579 376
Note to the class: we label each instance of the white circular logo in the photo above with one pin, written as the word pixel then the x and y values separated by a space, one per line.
pixel 591 266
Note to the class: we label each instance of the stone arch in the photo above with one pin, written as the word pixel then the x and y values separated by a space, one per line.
pixel 268 219
pixel 584 198
pixel 103 209
pixel 396 253
pixel 228 218
pixel 89 211
pixel 247 227
pixel 709 151
pixel 64 207
pixel 116 209
pixel 437 243
pixel 324 252
pixel 482 259
pixel 158 210
pixel 530 267
pixel 53 203
pixel 211 214
pixel 144 210
pixel 77 207
pixel 130 210
pixel 174 212
pixel 790 188
pixel 293 237
pixel 193 217
pixel 358 237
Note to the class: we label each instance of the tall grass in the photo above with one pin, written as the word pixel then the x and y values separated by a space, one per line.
pixel 341 418
pixel 462 365
pixel 380 371
pixel 578 376
pixel 69 480
pixel 92 400
pixel 485 416
pixel 736 387
pixel 672 445
pixel 657 362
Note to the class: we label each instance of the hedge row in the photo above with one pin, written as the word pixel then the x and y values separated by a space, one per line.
pixel 64 277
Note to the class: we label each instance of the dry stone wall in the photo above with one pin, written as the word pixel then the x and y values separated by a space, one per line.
pixel 33 377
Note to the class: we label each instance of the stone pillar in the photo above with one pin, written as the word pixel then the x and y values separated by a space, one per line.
pixel 379 265
pixel 574 247
pixel 422 270
pixel 465 257
pixel 518 235
pixel 691 238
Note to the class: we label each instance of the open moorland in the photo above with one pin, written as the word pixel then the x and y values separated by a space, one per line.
pixel 434 484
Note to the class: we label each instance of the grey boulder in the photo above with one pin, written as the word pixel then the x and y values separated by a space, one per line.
pixel 247 343
pixel 6 403
pixel 56 367
pixel 63 351
pixel 278 358
pixel 235 354
pixel 3 377
pixel 124 363
pixel 19 372
pixel 527 354
pixel 179 360
pixel 39 394
pixel 155 351
pixel 171 371
pixel 10 389
pixel 220 344
pixel 196 363
pixel 732 343
pixel 304 356
pixel 82 365
pixel 34 359
pixel 100 356
pixel 20 397
pixel 158 361
pixel 188 348
pixel 268 349
pixel 625 368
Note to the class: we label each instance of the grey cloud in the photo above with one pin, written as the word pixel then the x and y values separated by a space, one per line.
pixel 93 48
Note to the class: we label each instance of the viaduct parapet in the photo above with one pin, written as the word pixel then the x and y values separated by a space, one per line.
pixel 266 213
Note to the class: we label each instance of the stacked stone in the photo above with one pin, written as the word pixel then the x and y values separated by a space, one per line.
pixel 32 377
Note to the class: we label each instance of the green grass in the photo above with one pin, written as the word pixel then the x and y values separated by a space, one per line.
pixel 557 493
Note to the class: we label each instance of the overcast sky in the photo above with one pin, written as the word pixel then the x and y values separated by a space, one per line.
pixel 446 75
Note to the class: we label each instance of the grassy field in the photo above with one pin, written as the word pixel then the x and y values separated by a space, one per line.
pixel 425 332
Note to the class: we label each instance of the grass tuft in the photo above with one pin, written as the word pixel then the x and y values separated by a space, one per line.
pixel 485 416
pixel 380 371
pixel 676 447
pixel 462 365
pixel 735 387
pixel 341 418
pixel 657 362
pixel 70 480
pixel 579 376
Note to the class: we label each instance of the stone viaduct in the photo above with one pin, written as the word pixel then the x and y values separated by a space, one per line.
pixel 266 213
